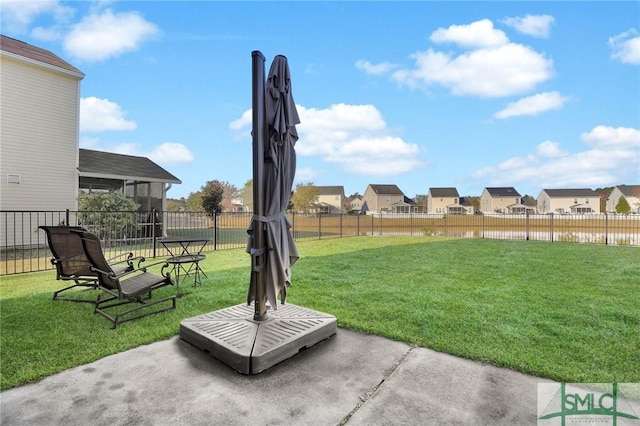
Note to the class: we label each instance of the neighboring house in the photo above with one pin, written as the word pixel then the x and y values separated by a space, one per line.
pixel 467 205
pixel 381 198
pixel 530 205
pixel 137 177
pixel 630 192
pixel 356 204
pixel 331 200
pixel 40 95
pixel 407 205
pixel 500 200
pixel 568 201
pixel 447 201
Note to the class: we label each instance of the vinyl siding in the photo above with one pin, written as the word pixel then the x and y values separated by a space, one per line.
pixel 39 137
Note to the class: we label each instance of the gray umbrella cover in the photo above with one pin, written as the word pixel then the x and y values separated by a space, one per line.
pixel 279 173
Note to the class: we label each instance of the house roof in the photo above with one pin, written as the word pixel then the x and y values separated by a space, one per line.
pixel 576 192
pixel 119 166
pixel 386 189
pixel 464 201
pixel 506 191
pixel 444 192
pixel 630 190
pixel 13 47
pixel 331 190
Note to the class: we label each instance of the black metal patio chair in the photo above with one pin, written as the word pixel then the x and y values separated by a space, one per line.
pixel 73 265
pixel 125 287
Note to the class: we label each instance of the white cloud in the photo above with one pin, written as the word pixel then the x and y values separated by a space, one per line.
pixel 355 137
pixel 533 105
pixel 489 72
pixel 626 47
pixel 99 115
pixel 606 137
pixel 488 66
pixel 18 15
pixel 613 156
pixel 533 25
pixel 550 149
pixel 477 34
pixel 171 153
pixel 106 34
pixel 374 69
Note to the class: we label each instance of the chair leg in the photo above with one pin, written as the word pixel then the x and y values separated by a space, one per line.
pixel 118 317
pixel 90 285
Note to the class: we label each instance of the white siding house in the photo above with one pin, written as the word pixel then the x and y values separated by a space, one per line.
pixel 39 134
pixel 568 201
pixel 630 192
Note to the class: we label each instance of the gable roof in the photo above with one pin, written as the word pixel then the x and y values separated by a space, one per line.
pixel 386 189
pixel 119 166
pixel 24 51
pixel 506 191
pixel 331 190
pixel 571 192
pixel 444 192
pixel 630 190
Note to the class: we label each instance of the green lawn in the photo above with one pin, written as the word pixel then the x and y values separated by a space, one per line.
pixel 565 311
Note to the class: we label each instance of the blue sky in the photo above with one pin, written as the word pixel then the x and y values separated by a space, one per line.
pixel 420 94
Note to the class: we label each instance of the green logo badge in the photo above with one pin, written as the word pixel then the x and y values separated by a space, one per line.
pixel 587 403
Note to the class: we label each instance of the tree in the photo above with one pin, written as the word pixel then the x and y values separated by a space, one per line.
pixel 212 195
pixel 174 205
pixel 623 206
pixel 229 196
pixel 194 202
pixel 421 200
pixel 604 196
pixel 108 214
pixel 305 197
pixel 246 194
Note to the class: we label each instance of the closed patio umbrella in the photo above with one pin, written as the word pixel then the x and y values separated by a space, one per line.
pixel 270 241
pixel 252 343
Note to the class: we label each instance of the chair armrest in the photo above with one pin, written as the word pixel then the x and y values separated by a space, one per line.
pixel 130 258
pixel 164 264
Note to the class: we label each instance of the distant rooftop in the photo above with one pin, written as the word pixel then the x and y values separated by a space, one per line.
pixel 386 189
pixel 575 192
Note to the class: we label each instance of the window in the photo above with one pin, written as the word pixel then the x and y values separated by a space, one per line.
pixel 586 201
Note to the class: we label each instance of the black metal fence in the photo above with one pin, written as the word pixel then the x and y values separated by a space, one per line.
pixel 23 247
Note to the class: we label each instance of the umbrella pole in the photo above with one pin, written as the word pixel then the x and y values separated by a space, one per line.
pixel 259 132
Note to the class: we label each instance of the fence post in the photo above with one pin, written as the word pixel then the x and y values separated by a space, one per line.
pixel 340 225
pixel 527 225
pixel 551 226
pixel 606 229
pixel 153 231
pixel 319 225
pixel 358 225
pixel 446 233
pixel 411 223
pixel 215 230
pixel 372 223
pixel 67 217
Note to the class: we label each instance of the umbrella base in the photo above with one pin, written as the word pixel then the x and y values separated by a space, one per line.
pixel 232 336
